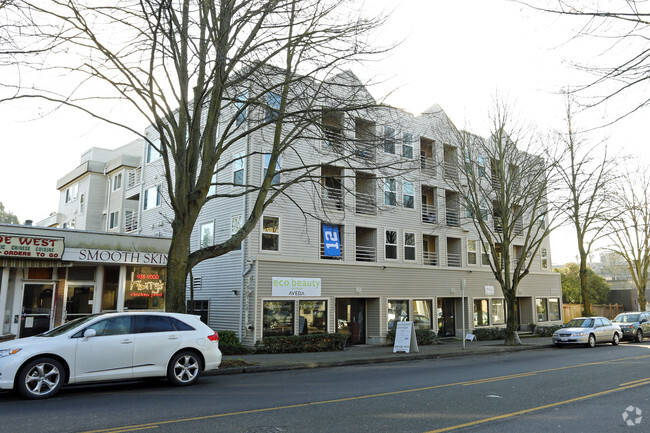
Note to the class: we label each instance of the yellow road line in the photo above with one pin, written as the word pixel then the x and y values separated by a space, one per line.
pixel 385 394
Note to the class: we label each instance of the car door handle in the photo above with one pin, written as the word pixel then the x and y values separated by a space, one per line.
pixel 126 341
pixel 172 337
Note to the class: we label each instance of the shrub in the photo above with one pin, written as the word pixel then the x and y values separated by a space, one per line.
pixel 233 349
pixel 546 331
pixel 301 343
pixel 423 336
pixel 487 334
pixel 228 337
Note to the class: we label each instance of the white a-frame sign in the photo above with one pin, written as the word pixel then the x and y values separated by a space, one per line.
pixel 405 340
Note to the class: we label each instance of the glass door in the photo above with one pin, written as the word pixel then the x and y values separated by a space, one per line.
pixel 446 321
pixel 36 309
pixel 79 301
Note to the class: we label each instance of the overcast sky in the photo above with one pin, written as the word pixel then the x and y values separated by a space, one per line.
pixel 457 53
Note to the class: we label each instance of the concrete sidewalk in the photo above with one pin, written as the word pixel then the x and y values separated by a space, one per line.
pixel 356 355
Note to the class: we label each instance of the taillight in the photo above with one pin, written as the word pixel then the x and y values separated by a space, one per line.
pixel 214 337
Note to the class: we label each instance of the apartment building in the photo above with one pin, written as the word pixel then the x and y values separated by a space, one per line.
pixel 362 245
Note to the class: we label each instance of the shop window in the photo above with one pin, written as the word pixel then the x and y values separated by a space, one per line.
pixel 201 308
pixel 81 273
pixel 498 312
pixel 206 235
pixel 471 252
pixel 111 284
pixel 312 318
pixel 145 288
pixel 270 233
pixel 553 308
pixel 408 197
pixel 398 311
pixel 409 246
pixel 277 318
pixel 540 304
pixel 422 314
pixel 481 317
pixel 391 244
pixel 79 302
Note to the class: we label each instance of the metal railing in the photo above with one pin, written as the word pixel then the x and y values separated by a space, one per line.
pixel 130 222
pixel 428 167
pixel 323 256
pixel 365 254
pixel 429 214
pixel 430 258
pixel 134 177
pixel 453 260
pixel 452 217
pixel 366 204
pixel 449 170
pixel 332 197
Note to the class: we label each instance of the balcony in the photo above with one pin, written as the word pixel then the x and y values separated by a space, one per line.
pixel 333 198
pixel 430 258
pixel 449 170
pixel 366 204
pixel 452 217
pixel 365 254
pixel 454 260
pixel 429 214
pixel 130 221
pixel 133 184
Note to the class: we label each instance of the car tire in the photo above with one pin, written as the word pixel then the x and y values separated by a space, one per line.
pixel 639 335
pixel 591 342
pixel 40 378
pixel 184 368
pixel 616 339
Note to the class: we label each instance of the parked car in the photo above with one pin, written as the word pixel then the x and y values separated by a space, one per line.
pixel 110 346
pixel 634 325
pixel 588 331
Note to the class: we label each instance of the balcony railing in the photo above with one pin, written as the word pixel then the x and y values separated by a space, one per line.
pixel 452 217
pixel 453 260
pixel 130 222
pixel 427 166
pixel 323 256
pixel 366 254
pixel 366 152
pixel 429 214
pixel 366 204
pixel 449 170
pixel 498 224
pixel 332 197
pixel 134 177
pixel 430 258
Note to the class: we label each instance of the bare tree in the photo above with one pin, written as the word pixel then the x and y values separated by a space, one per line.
pixel 587 174
pixel 503 183
pixel 631 229
pixel 192 69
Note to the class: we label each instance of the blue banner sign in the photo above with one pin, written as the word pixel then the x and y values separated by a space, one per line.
pixel 331 241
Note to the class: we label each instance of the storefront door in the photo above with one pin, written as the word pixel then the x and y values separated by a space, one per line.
pixel 36 309
pixel 446 320
pixel 350 315
pixel 79 301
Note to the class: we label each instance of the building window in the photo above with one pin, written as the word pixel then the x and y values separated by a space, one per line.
pixel 201 308
pixel 238 169
pixel 272 106
pixel 145 288
pixel 312 317
pixel 206 235
pixel 471 252
pixel 240 107
pixel 481 317
pixel 481 166
pixel 82 203
pixel 267 161
pixel 71 193
pixel 213 185
pixel 277 318
pixel 152 150
pixel 422 315
pixel 389 139
pixel 235 226
pixel 544 258
pixel 270 233
pixel 114 220
pixel 407 145
pixel 485 258
pixel 390 192
pixel 398 311
pixel 152 197
pixel 408 196
pixel 540 304
pixel 409 246
pixel 553 308
pixel 391 244
pixel 117 181
pixel 498 312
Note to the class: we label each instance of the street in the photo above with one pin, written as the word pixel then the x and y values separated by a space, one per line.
pixel 570 389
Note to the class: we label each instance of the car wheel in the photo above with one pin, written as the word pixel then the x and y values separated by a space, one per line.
pixel 592 341
pixel 40 378
pixel 639 335
pixel 184 368
pixel 616 339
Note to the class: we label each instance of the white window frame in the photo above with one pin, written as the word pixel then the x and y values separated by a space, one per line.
pixel 236 222
pixel 239 164
pixel 395 245
pixel 240 104
pixel 475 252
pixel 262 233
pixel 544 258
pixel 152 153
pixel 71 193
pixel 266 160
pixel 212 190
pixel 146 205
pixel 82 203
pixel 407 143
pixel 210 226
pixel 390 139
pixel 414 247
pixel 114 220
pixel 388 182
pixel 117 181
pixel 404 194
pixel 273 104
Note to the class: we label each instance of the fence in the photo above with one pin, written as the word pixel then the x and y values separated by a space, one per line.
pixel 608 310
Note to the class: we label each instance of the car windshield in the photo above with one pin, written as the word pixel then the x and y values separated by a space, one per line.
pixel 580 323
pixel 59 330
pixel 627 318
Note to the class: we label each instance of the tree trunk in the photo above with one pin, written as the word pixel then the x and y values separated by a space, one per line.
pixel 512 339
pixel 177 267
pixel 586 302
pixel 642 298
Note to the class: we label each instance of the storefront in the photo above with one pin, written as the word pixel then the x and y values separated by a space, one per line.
pixel 50 276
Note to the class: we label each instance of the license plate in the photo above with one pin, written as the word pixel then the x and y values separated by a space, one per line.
pixel 564 339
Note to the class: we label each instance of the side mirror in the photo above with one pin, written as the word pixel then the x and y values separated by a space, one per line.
pixel 644 321
pixel 89 333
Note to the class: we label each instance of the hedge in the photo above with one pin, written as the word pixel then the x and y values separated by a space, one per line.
pixel 486 334
pixel 546 331
pixel 423 336
pixel 301 343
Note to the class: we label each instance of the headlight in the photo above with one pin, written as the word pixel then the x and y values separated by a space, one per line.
pixel 7 352
pixel 579 334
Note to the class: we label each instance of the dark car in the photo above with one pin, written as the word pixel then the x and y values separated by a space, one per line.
pixel 634 325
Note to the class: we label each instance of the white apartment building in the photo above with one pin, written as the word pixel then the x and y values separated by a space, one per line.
pixel 352 252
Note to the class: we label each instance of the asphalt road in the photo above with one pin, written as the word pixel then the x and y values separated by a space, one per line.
pixel 567 390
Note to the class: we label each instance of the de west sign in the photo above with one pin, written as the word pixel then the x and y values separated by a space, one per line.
pixel 287 286
pixel 31 247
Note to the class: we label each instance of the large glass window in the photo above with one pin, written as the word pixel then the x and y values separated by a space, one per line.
pixel 79 301
pixel 277 318
pixel 391 244
pixel 273 101
pixel 409 246
pixel 553 308
pixel 498 312
pixel 111 284
pixel 408 196
pixel 398 311
pixel 481 317
pixel 71 193
pixel 422 314
pixel 152 150
pixel 206 235
pixel 313 317
pixel 471 252
pixel 270 233
pixel 540 304
pixel 267 161
pixel 145 288
pixel 152 197
pixel 390 192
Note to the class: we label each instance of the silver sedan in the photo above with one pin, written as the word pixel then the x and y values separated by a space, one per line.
pixel 588 331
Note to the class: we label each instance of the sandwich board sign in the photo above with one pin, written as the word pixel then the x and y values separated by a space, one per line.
pixel 405 340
